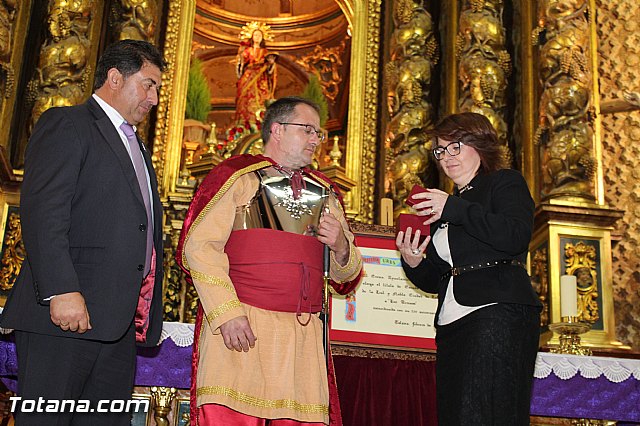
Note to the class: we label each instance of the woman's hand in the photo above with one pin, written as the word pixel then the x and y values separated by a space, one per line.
pixel 431 203
pixel 411 252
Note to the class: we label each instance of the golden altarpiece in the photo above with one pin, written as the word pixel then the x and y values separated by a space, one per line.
pixel 555 77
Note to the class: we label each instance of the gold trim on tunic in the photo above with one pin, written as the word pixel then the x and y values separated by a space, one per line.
pixel 225 307
pixel 263 403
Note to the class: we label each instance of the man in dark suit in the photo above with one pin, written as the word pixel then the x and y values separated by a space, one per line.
pixel 90 287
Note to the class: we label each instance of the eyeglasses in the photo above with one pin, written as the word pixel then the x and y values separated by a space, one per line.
pixel 453 149
pixel 309 130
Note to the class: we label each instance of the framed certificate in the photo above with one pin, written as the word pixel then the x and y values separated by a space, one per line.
pixel 386 309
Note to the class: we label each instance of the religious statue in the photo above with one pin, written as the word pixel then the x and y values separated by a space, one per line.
pixel 256 70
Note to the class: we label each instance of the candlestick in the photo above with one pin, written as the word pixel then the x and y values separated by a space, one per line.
pixel 568 296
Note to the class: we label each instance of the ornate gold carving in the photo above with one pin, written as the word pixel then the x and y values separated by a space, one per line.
pixel 540 281
pixel 174 280
pixel 8 14
pixel 375 353
pixel 484 64
pixel 162 401
pixel 408 83
pixel 14 252
pixel 325 63
pixel 569 337
pixel 580 260
pixel 64 71
pixel 135 19
pixel 565 111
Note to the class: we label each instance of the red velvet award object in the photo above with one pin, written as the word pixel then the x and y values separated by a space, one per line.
pixel 415 190
pixel 415 222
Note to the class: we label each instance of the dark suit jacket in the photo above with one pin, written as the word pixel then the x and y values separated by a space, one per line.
pixel 492 221
pixel 83 227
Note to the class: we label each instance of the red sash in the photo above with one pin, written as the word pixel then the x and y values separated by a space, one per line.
pixel 276 270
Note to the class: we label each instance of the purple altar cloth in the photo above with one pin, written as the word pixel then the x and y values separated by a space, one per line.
pixel 586 398
pixel 165 365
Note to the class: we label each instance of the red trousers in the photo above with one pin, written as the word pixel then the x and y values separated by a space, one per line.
pixel 215 414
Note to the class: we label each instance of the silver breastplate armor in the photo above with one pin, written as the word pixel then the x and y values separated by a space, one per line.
pixel 274 205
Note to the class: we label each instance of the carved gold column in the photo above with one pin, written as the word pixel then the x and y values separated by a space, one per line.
pixel 484 63
pixel 13 30
pixel 162 398
pixel 64 72
pixel 572 225
pixel 408 84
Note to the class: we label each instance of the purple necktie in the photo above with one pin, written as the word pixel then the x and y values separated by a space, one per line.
pixel 138 162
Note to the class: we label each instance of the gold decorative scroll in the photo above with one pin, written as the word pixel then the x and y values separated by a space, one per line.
pixel 540 281
pixel 580 260
pixel 325 63
pixel 565 130
pixel 408 85
pixel 484 64
pixel 14 252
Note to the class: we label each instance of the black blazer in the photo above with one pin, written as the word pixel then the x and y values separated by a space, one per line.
pixel 491 221
pixel 84 227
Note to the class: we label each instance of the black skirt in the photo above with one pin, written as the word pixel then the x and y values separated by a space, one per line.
pixel 485 366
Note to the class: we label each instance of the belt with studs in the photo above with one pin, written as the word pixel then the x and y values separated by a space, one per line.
pixel 458 270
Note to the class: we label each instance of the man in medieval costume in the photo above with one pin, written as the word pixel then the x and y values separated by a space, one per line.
pixel 252 243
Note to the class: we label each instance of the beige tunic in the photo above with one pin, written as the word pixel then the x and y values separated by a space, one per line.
pixel 284 375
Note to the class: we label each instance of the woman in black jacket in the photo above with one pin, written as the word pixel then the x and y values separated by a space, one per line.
pixel 488 318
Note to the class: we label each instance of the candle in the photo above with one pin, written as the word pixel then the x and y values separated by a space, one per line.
pixel 568 296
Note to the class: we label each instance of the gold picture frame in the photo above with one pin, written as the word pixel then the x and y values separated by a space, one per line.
pixel 182 412
pixel 364 22
pixel 142 418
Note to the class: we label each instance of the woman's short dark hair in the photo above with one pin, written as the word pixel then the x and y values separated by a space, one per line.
pixel 474 130
pixel 127 56
pixel 281 111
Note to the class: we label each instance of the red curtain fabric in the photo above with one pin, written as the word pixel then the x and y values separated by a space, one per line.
pixel 386 392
